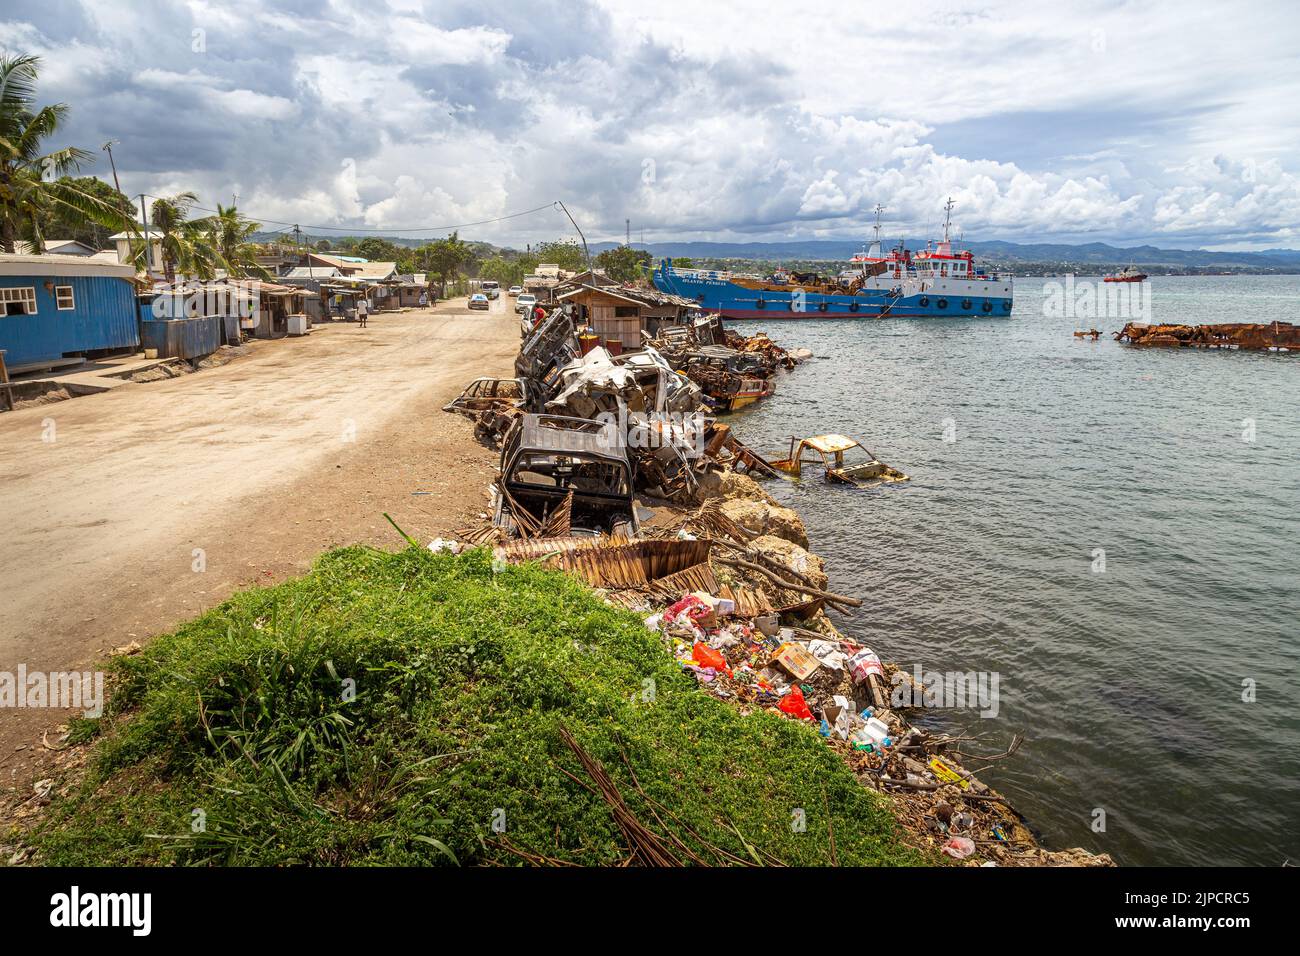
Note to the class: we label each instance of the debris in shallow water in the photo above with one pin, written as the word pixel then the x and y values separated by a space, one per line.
pixel 1271 336
pixel 840 462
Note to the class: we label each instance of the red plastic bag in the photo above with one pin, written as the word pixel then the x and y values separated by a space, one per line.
pixel 691 607
pixel 794 704
pixel 706 656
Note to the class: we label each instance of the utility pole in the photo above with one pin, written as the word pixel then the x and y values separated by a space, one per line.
pixel 108 148
pixel 148 246
pixel 629 231
pixel 297 236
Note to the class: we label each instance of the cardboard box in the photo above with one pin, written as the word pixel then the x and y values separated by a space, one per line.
pixel 795 659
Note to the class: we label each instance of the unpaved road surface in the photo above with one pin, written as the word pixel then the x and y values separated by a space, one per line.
pixel 127 512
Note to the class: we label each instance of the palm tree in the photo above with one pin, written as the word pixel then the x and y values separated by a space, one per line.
pixel 184 244
pixel 230 237
pixel 27 193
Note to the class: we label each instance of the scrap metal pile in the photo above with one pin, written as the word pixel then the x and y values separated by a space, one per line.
pixel 731 370
pixel 1271 336
pixel 663 437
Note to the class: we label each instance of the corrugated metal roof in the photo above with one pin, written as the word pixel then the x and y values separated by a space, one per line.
pixel 374 270
pixel 312 272
pixel 54 265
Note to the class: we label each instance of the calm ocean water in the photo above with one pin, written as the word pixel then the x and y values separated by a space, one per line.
pixel 1128 683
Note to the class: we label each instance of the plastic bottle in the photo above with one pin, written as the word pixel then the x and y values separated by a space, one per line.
pixel 877 731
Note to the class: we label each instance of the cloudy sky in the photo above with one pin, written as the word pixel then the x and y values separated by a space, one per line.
pixel 1174 123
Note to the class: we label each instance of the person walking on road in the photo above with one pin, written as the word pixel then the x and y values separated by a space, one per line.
pixel 363 309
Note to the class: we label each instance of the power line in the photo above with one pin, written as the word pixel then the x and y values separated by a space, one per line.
pixel 352 229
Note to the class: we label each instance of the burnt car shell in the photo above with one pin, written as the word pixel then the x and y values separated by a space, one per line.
pixel 544 457
pixel 549 348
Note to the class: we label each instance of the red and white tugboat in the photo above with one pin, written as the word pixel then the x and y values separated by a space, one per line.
pixel 1129 274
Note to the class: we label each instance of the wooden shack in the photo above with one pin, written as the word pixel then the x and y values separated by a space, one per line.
pixel 619 314
pixel 275 304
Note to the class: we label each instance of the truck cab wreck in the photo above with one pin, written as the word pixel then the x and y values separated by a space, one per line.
pixel 564 476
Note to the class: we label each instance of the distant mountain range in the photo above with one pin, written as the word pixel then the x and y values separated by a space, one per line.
pixel 1093 252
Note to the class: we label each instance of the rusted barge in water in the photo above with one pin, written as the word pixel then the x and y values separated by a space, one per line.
pixel 1268 336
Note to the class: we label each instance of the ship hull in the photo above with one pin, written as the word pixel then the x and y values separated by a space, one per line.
pixel 905 299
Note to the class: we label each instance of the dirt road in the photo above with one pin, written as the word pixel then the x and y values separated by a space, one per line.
pixel 127 512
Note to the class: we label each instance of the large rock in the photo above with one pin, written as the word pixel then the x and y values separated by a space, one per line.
pixel 730 486
pixel 761 518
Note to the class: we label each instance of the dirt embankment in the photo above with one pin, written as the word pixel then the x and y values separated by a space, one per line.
pixel 128 512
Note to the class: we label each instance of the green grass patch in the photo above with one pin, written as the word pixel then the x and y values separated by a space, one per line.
pixel 392 708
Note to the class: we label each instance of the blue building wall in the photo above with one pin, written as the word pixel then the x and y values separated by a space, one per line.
pixel 183 338
pixel 104 318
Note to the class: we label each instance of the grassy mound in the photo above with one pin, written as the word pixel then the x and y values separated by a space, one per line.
pixel 407 709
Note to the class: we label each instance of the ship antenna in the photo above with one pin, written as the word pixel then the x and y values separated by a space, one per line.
pixel 947 218
pixel 879 210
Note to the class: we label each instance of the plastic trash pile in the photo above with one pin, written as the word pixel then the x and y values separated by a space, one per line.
pixel 826 681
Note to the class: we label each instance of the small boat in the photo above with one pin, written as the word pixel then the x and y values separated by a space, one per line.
pixel 1129 274
pixel 836 454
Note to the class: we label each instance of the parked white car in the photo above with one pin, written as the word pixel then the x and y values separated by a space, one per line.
pixel 515 290
pixel 525 302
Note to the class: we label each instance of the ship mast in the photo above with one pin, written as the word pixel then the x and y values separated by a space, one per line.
pixel 879 210
pixel 947 217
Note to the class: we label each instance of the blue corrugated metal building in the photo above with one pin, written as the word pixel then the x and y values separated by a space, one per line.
pixel 54 307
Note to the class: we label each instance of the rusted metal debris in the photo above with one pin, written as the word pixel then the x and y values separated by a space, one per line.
pixel 730 369
pixel 560 474
pixel 841 458
pixel 727 391
pixel 1270 336
pixel 485 393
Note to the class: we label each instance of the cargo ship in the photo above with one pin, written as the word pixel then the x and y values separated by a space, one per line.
pixel 936 282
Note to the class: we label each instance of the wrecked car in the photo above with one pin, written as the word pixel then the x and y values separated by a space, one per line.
pixel 842 459
pixel 601 383
pixel 666 390
pixel 729 379
pixel 547 349
pixel 488 393
pixel 564 476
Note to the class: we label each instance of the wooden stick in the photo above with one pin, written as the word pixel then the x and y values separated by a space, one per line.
pixel 789 585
